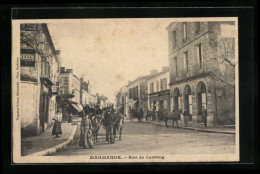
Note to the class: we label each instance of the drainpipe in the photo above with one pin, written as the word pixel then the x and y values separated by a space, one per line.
pixel 216 107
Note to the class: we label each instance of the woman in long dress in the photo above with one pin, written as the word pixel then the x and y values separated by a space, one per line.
pixel 86 136
pixel 56 130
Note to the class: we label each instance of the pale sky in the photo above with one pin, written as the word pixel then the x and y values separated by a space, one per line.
pixel 110 52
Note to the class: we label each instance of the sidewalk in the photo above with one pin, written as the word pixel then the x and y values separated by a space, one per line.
pixel 46 143
pixel 197 127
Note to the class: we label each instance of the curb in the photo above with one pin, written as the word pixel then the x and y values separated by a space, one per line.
pixel 196 129
pixel 56 148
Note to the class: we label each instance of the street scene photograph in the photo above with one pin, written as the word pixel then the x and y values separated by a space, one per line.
pixel 125 90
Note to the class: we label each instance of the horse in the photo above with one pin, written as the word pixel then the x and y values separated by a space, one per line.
pixel 150 115
pixel 96 121
pixel 118 126
pixel 167 115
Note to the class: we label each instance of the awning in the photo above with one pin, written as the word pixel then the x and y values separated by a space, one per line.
pixel 132 102
pixel 80 107
pixel 76 107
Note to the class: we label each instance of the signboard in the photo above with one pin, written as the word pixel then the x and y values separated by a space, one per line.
pixel 27 57
pixel 54 89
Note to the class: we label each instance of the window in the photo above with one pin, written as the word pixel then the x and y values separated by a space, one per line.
pixel 157 86
pixel 174 38
pixel 190 104
pixel 45 69
pixel 151 87
pixel 161 84
pixel 203 100
pixel 175 64
pixel 184 26
pixel 185 60
pixel 197 27
pixel 199 54
pixel 130 93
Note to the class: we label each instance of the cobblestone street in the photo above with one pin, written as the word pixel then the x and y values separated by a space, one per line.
pixel 150 139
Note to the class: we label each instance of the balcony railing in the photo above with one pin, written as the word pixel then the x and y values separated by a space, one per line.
pixel 192 71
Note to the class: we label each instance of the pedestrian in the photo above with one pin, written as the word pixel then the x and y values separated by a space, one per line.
pixel 109 121
pixel 141 113
pixel 86 137
pixel 70 118
pixel 186 117
pixel 204 116
pixel 56 130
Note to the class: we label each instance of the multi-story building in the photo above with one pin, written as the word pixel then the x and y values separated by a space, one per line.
pixel 121 99
pixel 70 92
pixel 40 64
pixel 85 95
pixel 202 64
pixel 137 94
pixel 159 90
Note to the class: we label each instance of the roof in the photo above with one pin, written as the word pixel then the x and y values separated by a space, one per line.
pixel 48 37
pixel 138 78
pixel 158 74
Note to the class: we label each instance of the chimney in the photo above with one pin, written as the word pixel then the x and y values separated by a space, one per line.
pixel 165 68
pixel 70 70
pixel 154 71
pixel 62 69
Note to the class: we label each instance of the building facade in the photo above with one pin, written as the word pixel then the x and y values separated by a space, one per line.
pixel 121 99
pixel 201 62
pixel 86 98
pixel 159 90
pixel 40 65
pixel 137 94
pixel 70 93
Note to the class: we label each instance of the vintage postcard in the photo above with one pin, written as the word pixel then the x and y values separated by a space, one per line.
pixel 125 90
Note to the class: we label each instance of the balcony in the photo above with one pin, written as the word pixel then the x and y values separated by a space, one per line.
pixel 45 72
pixel 192 71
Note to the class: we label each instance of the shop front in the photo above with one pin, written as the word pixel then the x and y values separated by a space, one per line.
pixel 160 101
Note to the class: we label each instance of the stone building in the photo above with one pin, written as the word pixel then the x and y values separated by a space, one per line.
pixel 39 77
pixel 137 94
pixel 86 97
pixel 121 99
pixel 70 93
pixel 159 90
pixel 202 69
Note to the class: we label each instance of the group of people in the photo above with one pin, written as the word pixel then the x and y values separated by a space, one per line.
pixel 108 120
pixel 204 116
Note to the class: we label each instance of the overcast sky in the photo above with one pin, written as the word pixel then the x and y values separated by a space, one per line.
pixel 110 52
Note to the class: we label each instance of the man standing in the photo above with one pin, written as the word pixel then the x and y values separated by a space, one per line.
pixel 204 116
pixel 186 117
pixel 109 120
pixel 141 114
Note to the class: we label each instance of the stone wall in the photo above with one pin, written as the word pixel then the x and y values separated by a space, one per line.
pixel 29 97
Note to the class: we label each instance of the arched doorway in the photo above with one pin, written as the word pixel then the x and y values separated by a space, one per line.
pixel 176 98
pixel 201 97
pixel 188 99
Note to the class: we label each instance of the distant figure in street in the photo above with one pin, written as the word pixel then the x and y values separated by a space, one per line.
pixel 109 121
pixel 56 130
pixel 70 118
pixel 141 114
pixel 131 113
pixel 186 117
pixel 204 116
pixel 86 137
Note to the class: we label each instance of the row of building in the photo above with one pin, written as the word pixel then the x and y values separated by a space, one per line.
pixel 201 73
pixel 45 86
